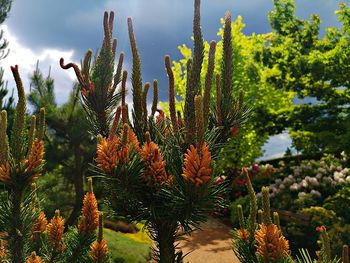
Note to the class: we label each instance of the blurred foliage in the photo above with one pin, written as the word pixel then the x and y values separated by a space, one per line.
pixel 319 216
pixel 5 7
pixel 339 203
pixel 57 193
pixel 127 247
pixel 8 105
pixel 69 146
pixel 244 202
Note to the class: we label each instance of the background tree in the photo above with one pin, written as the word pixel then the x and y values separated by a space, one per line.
pixel 315 68
pixel 68 150
pixel 5 7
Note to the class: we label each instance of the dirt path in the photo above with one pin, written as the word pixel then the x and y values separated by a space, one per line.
pixel 212 244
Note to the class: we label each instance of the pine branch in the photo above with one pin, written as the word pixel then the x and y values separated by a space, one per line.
pixel 136 80
pixel 227 68
pixel 4 144
pixel 118 74
pixel 17 135
pixel 171 93
pixel 189 114
pixel 198 49
pixel 155 98
pixel 208 82
pixel 218 100
pixel 31 134
pixel 144 104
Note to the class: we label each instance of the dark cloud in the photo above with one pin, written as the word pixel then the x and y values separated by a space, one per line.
pixel 160 25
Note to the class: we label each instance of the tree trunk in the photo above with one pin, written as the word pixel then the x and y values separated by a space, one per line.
pixel 78 180
pixel 166 242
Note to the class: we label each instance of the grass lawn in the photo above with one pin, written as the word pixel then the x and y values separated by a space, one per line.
pixel 129 248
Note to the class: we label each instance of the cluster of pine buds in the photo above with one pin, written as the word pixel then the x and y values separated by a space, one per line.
pixel 3 249
pixel 114 150
pixel 107 154
pixel 38 227
pixel 55 231
pixel 155 173
pixel 197 165
pixel 21 155
pixel 89 213
pixel 36 157
pixel 271 244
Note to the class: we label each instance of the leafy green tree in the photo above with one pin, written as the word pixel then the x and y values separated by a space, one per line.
pixel 315 68
pixel 69 144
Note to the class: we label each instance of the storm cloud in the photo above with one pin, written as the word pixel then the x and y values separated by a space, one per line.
pixel 48 29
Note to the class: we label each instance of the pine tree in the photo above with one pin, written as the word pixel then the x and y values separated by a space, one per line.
pixel 21 163
pixel 158 169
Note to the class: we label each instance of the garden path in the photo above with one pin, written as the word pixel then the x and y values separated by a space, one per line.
pixel 212 244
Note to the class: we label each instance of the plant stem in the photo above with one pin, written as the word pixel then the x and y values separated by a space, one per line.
pixel 166 240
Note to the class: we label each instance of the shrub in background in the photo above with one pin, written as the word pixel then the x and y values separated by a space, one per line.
pixel 339 203
pixel 309 182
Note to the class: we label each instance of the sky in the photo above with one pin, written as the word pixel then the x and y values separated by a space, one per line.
pixel 46 30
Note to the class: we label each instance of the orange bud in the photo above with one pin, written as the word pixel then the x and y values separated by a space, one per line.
pixel 89 213
pixel 35 159
pixel 34 259
pixel 55 230
pixel 99 251
pixel 244 234
pixel 3 250
pixel 154 173
pixel 271 244
pixel 107 157
pixel 132 140
pixel 5 172
pixel 197 167
pixel 39 226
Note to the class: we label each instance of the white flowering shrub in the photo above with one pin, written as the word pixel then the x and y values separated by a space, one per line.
pixel 308 183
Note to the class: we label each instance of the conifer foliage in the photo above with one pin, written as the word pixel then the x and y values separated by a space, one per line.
pixel 21 162
pixel 97 82
pixel 159 169
pixel 26 235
